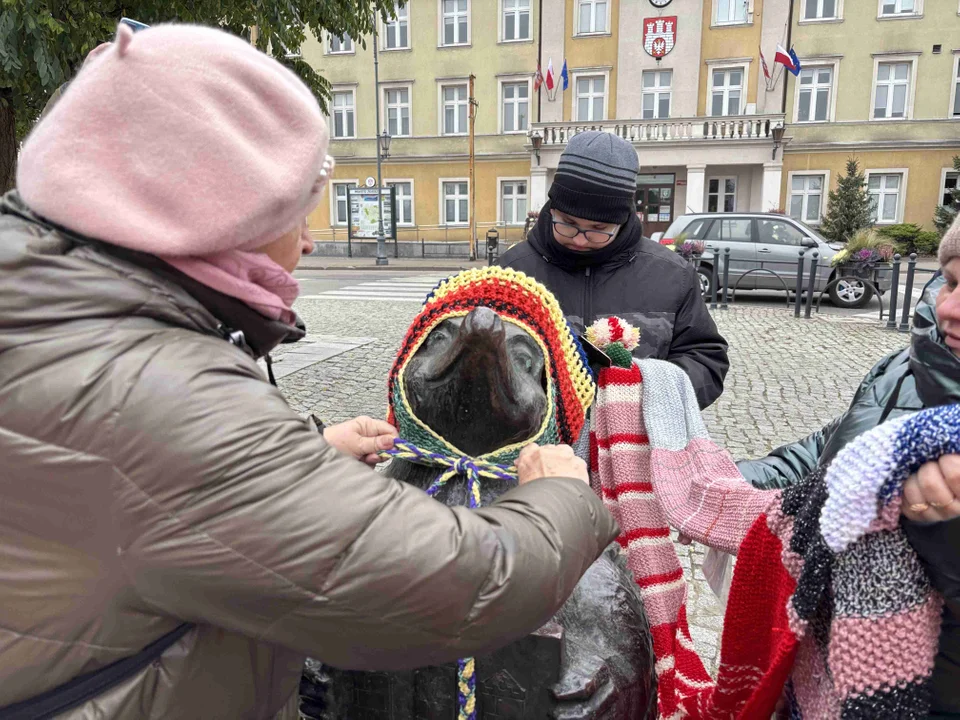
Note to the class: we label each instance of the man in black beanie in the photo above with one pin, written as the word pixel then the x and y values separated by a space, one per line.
pixel 587 248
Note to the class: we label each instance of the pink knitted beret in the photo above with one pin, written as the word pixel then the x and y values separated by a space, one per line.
pixel 950 244
pixel 178 141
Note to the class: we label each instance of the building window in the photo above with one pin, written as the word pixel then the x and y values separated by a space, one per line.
pixel 722 194
pixel 591 98
pixel 516 102
pixel 656 93
pixel 456 203
pixel 727 91
pixel 950 181
pixel 516 20
pixel 893 90
pixel 956 88
pixel 813 100
pixel 820 9
pixel 341 205
pixel 593 17
pixel 404 196
pixel 454 103
pixel 731 12
pixel 884 192
pixel 893 8
pixel 806 198
pixel 344 111
pixel 340 45
pixel 397 102
pixel 456 22
pixel 396 32
pixel 513 202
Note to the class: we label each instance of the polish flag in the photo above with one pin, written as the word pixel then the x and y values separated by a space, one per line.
pixel 788 59
pixel 550 81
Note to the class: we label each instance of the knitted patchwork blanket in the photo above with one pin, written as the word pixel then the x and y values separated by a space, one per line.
pixel 829 606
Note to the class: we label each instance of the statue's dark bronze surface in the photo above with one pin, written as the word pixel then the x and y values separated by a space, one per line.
pixel 479 382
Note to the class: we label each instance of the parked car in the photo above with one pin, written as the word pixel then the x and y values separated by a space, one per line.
pixel 764 252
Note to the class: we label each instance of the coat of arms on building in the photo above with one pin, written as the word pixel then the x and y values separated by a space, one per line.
pixel 659 35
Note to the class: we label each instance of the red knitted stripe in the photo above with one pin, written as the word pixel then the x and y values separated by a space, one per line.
pixel 661 579
pixel 638 533
pixel 633 439
pixel 594 453
pixel 617 491
pixel 620 376
pixel 616 329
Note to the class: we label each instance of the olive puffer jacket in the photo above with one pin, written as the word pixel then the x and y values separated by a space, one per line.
pixel 926 374
pixel 151 476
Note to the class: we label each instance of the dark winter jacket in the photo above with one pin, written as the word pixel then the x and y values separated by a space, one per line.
pixel 926 374
pixel 640 281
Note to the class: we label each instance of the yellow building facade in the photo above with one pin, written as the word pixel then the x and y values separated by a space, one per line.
pixel 682 80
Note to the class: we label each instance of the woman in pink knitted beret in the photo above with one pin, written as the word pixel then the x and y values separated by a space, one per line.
pixel 174 539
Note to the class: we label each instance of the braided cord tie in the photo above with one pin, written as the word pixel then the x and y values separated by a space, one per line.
pixel 473 469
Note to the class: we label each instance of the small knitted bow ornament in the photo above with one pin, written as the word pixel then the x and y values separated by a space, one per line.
pixel 616 337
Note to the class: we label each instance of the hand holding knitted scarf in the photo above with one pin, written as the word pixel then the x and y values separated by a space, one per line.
pixel 828 598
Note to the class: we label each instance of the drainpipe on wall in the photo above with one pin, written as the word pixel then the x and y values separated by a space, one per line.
pixel 540 49
pixel 783 103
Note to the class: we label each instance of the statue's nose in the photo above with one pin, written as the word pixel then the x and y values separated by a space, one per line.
pixel 482 320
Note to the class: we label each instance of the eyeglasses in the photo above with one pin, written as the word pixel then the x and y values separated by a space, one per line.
pixel 593 237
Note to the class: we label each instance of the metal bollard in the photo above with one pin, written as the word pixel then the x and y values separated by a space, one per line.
pixel 908 293
pixel 811 285
pixel 726 277
pixel 714 280
pixel 796 306
pixel 894 292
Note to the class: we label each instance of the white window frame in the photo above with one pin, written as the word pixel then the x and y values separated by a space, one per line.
pixel 739 64
pixel 837 17
pixel 441 17
pixel 747 14
pixel 657 91
pixel 334 220
pixel 384 114
pixel 442 217
pixel 824 192
pixel 413 200
pixel 917 10
pixel 385 28
pixel 722 194
pixel 441 104
pixel 514 80
pixel 502 16
pixel 881 58
pixel 500 183
pixel 331 51
pixel 943 182
pixel 335 90
pixel 954 100
pixel 590 73
pixel 593 3
pixel 811 64
pixel 901 200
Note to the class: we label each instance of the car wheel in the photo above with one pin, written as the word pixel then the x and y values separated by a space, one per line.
pixel 850 293
pixel 705 274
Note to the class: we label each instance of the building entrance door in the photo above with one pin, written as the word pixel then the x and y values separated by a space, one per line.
pixel 655 195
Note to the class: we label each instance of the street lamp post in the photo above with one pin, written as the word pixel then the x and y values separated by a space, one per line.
pixel 381 240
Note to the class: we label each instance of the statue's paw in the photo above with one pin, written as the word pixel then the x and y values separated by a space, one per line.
pixel 584 696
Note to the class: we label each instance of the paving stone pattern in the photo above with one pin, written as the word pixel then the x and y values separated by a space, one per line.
pixel 787 379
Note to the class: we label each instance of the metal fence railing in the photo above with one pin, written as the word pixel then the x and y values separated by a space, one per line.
pixel 422 241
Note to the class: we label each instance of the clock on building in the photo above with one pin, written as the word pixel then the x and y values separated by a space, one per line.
pixel 660 3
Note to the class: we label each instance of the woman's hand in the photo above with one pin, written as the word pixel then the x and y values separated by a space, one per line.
pixel 362 438
pixel 933 493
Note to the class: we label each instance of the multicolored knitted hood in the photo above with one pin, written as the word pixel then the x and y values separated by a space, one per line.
pixel 520 300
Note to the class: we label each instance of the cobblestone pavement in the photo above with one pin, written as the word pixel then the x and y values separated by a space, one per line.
pixel 787 379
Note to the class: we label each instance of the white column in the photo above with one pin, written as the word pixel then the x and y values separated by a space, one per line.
pixel 696 175
pixel 770 196
pixel 538 187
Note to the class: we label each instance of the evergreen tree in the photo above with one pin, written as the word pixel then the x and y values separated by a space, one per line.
pixel 944 215
pixel 848 207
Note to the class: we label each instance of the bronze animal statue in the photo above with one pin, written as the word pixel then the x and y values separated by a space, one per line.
pixel 481 383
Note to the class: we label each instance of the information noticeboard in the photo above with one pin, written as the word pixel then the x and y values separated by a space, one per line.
pixel 365 213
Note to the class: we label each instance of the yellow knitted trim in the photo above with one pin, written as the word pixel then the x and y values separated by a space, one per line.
pixel 550 390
